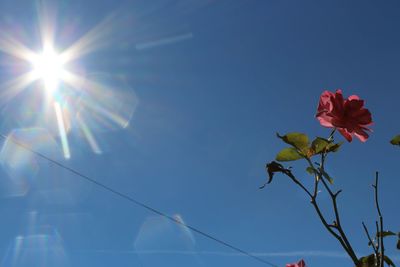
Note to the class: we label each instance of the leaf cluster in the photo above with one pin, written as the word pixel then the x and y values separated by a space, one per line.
pixel 373 260
pixel 301 147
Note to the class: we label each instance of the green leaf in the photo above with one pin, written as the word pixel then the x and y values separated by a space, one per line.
pixel 319 145
pixel 395 140
pixel 326 176
pixel 297 140
pixel 288 154
pixel 333 147
pixel 367 261
pixel 385 233
pixel 388 261
pixel 311 170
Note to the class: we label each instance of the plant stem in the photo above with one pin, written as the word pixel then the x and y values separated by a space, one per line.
pixel 318 174
pixel 333 196
pixel 330 138
pixel 382 248
pixel 328 226
pixel 341 237
pixel 378 245
pixel 296 181
pixel 370 240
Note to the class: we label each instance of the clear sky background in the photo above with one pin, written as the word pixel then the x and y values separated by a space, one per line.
pixel 205 85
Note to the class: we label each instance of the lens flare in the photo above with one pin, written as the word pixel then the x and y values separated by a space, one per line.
pixel 69 100
pixel 48 67
pixel 158 234
pixel 61 129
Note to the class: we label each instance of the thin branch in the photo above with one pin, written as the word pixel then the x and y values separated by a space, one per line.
pixel 370 239
pixel 375 186
pixel 296 181
pixel 342 237
pixel 382 255
pixel 316 180
pixel 377 236
pixel 327 226
pixel 315 204
pixel 334 196
pixel 330 138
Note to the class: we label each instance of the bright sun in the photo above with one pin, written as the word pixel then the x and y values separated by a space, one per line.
pixel 49 67
pixel 52 70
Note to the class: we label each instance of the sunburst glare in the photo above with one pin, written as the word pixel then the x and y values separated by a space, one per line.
pixel 48 66
pixel 74 100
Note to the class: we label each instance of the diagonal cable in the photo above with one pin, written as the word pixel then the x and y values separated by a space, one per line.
pixel 136 202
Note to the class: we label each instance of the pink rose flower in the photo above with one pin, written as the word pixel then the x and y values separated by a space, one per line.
pixel 301 263
pixel 348 116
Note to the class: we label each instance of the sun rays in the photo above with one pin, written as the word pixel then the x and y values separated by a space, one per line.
pixel 78 102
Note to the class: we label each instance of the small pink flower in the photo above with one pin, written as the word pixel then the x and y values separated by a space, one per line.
pixel 301 263
pixel 348 116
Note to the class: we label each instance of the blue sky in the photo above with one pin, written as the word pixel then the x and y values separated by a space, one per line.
pixel 204 85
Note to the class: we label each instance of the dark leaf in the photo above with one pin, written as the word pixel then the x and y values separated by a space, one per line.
pixel 385 233
pixel 388 261
pixel 288 154
pixel 311 170
pixel 326 175
pixel 371 261
pixel 398 244
pixel 395 140
pixel 272 168
pixel 367 261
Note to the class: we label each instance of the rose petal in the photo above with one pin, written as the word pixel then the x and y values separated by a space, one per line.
pixel 346 134
pixel 353 97
pixel 361 135
pixel 301 263
pixel 338 102
pixel 325 121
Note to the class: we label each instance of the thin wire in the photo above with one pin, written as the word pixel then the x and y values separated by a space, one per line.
pixel 134 201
